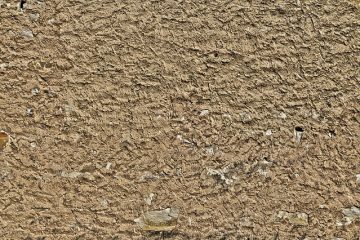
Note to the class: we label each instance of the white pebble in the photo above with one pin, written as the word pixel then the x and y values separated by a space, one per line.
pixel 108 165
pixel 27 33
pixel 282 115
pixel 268 132
pixel 35 91
pixel 204 112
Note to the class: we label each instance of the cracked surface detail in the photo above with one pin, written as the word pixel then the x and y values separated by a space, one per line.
pixel 244 115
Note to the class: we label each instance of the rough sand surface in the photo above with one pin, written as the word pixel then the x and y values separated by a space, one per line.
pixel 115 108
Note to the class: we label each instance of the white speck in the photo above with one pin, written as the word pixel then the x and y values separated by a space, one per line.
pixel 35 91
pixel 3 66
pixel 204 112
pixel 33 144
pixel 268 132
pixel 108 165
pixel 358 178
pixel 282 115
pixel 29 111
pixel 51 21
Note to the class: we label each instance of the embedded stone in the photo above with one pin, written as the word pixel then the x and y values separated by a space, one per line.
pixel 162 220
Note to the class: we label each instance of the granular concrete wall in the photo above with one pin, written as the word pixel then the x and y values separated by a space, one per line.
pixel 115 108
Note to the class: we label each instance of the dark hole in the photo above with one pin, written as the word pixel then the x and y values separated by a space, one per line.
pixel 22 3
pixel 216 54
pixel 299 129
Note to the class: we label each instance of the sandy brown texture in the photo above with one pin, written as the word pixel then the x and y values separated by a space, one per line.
pixel 116 108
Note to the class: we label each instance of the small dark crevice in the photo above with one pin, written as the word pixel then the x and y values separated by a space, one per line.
pixel 22 4
pixel 332 133
pixel 299 129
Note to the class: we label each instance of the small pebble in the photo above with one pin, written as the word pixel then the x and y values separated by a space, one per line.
pixel 71 174
pixel 204 112
pixel 34 17
pixel 282 115
pixel 108 165
pixel 27 33
pixel 268 132
pixel 148 200
pixel 35 91
pixel 351 212
pixel 29 112
pixel 51 21
pixel 88 176
pixel 245 117
pixel 159 221
pixel 209 151
pixel 3 66
pixel 298 218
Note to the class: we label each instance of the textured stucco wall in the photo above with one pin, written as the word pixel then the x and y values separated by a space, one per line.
pixel 115 108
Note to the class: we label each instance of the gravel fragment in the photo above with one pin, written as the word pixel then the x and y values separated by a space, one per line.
pixel 350 214
pixel 221 174
pixel 268 132
pixel 358 178
pixel 34 17
pixel 204 112
pixel 162 220
pixel 148 200
pixel 27 33
pixel 35 91
pixel 298 218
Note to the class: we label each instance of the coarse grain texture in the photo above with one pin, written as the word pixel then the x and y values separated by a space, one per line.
pixel 245 115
